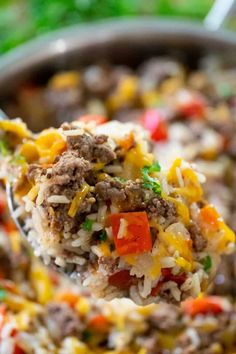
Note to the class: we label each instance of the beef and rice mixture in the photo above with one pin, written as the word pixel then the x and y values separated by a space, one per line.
pixel 189 113
pixel 96 204
pixel 43 313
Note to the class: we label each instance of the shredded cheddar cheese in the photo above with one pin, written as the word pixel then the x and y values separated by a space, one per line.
pixel 78 199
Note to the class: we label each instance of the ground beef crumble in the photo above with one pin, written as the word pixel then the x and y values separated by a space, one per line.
pixel 62 321
pixel 199 242
pixel 158 206
pixel 166 318
pixel 91 148
pixel 110 190
pixel 131 196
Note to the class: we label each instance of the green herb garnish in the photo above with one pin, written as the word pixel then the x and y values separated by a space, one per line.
pixel 150 182
pixel 103 236
pixel 4 147
pixel 3 294
pixel 87 335
pixel 207 263
pixel 87 224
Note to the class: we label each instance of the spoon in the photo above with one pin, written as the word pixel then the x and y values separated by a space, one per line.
pixel 12 206
pixel 9 192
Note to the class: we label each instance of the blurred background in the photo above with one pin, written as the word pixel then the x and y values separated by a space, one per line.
pixel 21 20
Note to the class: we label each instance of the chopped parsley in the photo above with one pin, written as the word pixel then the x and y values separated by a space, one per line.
pixel 87 335
pixel 207 263
pixel 103 236
pixel 3 294
pixel 87 224
pixel 148 181
pixel 4 147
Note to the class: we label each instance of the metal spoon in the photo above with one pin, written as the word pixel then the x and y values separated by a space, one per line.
pixel 9 191
pixel 12 206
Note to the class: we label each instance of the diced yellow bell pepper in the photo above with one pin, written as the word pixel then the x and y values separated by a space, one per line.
pixel 74 346
pixel 16 127
pixel 138 157
pixel 225 237
pixel 167 341
pixel 41 282
pixel 104 246
pixel 142 351
pixel 150 98
pixel 128 87
pixel 98 166
pixel 50 144
pixel 18 303
pixel 82 306
pixel 30 151
pixel 65 80
pixel 171 85
pixel 182 209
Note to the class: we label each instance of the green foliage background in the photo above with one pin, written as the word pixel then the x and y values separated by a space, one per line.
pixel 21 20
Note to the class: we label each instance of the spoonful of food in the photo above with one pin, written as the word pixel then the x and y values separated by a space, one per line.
pixel 92 201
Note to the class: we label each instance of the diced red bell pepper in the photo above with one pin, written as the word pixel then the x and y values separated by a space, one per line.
pixel 203 305
pixel 193 107
pixel 137 238
pixel 97 119
pixel 9 226
pixel 122 279
pixel 166 272
pixel 18 350
pixel 3 311
pixel 178 279
pixel 99 323
pixel 153 121
pixel 157 288
pixel 3 204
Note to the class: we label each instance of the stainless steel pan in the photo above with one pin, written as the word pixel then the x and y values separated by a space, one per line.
pixel 127 41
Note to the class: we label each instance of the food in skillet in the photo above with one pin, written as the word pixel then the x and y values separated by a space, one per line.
pixel 96 204
pixel 40 312
pixel 192 109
